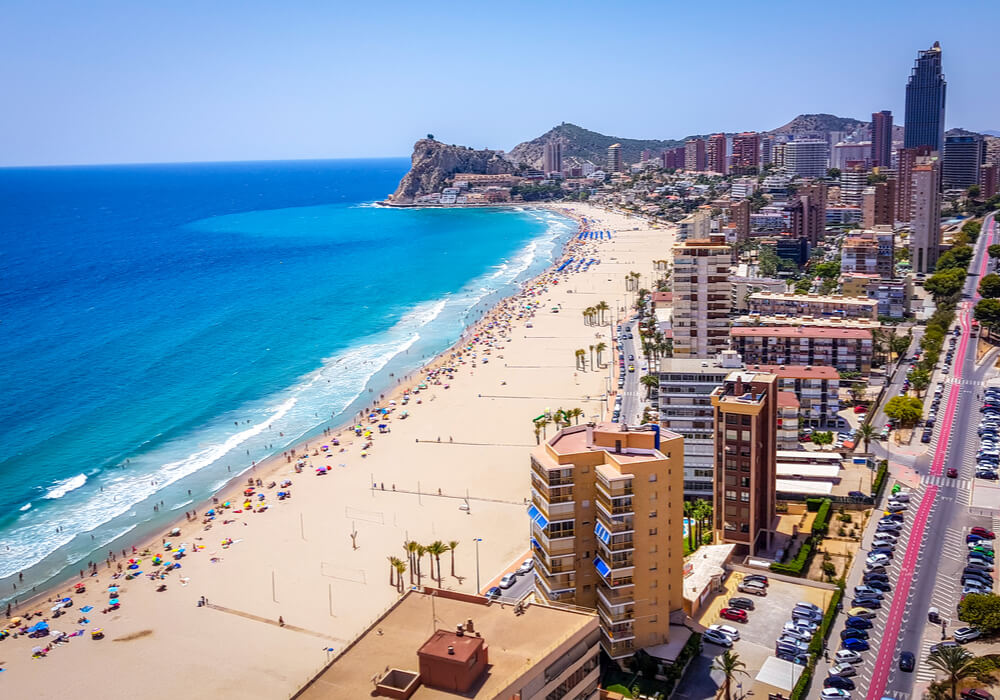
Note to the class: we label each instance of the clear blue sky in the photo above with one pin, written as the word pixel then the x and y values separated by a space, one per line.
pixel 97 81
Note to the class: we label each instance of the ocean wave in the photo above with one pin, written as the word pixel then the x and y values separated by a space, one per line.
pixel 25 507
pixel 64 486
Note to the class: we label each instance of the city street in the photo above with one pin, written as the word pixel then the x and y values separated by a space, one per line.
pixel 633 392
pixel 928 563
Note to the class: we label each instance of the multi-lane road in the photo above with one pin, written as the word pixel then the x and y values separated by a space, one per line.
pixel 632 393
pixel 927 567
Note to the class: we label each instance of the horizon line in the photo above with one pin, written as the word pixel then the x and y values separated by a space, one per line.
pixel 194 162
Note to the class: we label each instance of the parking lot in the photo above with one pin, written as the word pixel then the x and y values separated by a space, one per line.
pixel 767 619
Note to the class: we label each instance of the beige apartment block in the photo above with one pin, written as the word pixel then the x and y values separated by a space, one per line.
pixel 703 297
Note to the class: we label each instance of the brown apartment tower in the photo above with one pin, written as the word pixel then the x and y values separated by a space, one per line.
pixel 717 154
pixel 606 509
pixel 746 425
pixel 746 150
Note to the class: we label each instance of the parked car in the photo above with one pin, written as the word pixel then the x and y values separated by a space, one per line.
pixel 851 633
pixel 508 580
pixel 838 682
pixel 752 587
pixel 846 656
pixel 741 603
pixel 494 593
pixel 526 566
pixel 758 578
pixel 716 637
pixel 983 532
pixel 727 630
pixel 843 669
pixel 834 694
pixel 858 611
pixel 907 662
pixel 975 694
pixel 734 614
pixel 855 644
pixel 858 623
pixel 867 590
pixel 966 634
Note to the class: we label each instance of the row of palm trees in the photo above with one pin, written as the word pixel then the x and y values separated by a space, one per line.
pixel 415 553
pixel 594 315
pixel 632 281
pixel 581 356
pixel 562 418
pixel 700 512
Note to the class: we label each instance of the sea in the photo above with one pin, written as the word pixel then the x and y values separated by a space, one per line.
pixel 164 326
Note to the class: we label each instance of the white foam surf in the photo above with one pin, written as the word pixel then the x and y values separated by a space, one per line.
pixel 64 486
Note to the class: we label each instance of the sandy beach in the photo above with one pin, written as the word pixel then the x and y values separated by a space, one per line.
pixel 456 468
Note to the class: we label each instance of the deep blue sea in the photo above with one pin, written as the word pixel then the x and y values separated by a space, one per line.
pixel 159 324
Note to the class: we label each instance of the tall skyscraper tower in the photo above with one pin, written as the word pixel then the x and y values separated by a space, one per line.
pixel 717 154
pixel 615 158
pixel 881 153
pixel 925 92
pixel 746 150
pixel 925 243
pixel 552 157
pixel 694 155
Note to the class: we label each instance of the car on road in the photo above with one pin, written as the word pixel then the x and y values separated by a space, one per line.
pixel 858 623
pixel 834 694
pixel 966 634
pixel 858 611
pixel 631 368
pixel 907 662
pixel 759 578
pixel 494 593
pixel 716 637
pixel 942 645
pixel 983 532
pixel 741 603
pixel 952 473
pixel 842 669
pixel 734 614
pixel 855 644
pixel 526 566
pixel 975 694
pixel 508 580
pixel 846 656
pixel 838 682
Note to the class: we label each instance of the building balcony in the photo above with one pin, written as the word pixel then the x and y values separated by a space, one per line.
pixel 553 567
pixel 565 595
pixel 552 547
pixel 554 511
pixel 558 582
pixel 617 649
pixel 615 614
pixel 615 598
pixel 611 510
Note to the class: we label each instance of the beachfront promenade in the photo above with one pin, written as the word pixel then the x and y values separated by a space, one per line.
pixel 318 561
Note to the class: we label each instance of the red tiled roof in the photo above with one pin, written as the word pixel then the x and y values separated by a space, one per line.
pixel 799 371
pixel 662 296
pixel 787 399
pixel 801 332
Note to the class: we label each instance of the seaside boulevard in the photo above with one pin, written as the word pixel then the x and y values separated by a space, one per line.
pixel 288 588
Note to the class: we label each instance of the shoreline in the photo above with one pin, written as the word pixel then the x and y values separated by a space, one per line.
pixel 490 504
pixel 314 433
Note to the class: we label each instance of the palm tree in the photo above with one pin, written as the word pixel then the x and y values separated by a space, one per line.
pixel 689 514
pixel 538 433
pixel 702 512
pixel 436 549
pixel 601 307
pixel 452 546
pixel 957 664
pixel 576 413
pixel 591 358
pixel 866 431
pixel 400 566
pixel 650 381
pixel 419 556
pixel 411 551
pixel 600 347
pixel 392 568
pixel 580 362
pixel 730 665
pixel 586 316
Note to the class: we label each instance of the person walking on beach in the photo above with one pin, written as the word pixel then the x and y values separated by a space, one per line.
pixel 281 621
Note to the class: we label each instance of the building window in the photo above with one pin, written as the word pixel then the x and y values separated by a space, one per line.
pixel 652 531
pixel 652 514
pixel 745 496
pixel 745 420
pixel 652 477
pixel 745 482
pixel 730 495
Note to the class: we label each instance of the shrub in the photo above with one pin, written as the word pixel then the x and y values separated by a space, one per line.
pixel 880 478
pixel 813 504
pixel 796 565
pixel 821 523
pixel 842 532
pixel 801 689
pixel 845 517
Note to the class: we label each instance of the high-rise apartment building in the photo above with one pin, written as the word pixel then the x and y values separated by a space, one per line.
pixel 963 157
pixel 845 348
pixel 766 151
pixel 848 151
pixel 869 252
pixel 696 225
pixel 907 158
pixel 746 426
pixel 816 388
pixel 694 155
pixel 552 157
pixel 716 154
pixel 881 150
pixel 673 158
pixel 853 182
pixel 739 215
pixel 746 154
pixel 702 296
pixel 925 245
pixel 615 158
pixel 925 97
pixel 685 391
pixel 878 204
pixel 806 158
pixel 807 213
pixel 989 180
pixel 606 502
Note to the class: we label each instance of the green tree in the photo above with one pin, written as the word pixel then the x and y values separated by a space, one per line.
pixel 987 312
pixel 945 283
pixel 689 514
pixel 960 256
pixel 904 410
pixel 828 270
pixel 650 381
pixel 803 286
pixel 833 173
pixel 877 177
pixel 866 431
pixel 983 611
pixel 994 251
pixel 452 546
pixel 899 344
pixel 730 666
pixel 920 379
pixel 581 359
pixel 702 515
pixel 989 286
pixel 974 191
pixel 822 438
pixel 957 664
pixel 435 549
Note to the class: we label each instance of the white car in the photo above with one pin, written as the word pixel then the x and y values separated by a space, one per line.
pixel 728 630
pixel 508 580
pixel 985 544
pixel 845 670
pixel 966 634
pixel 526 566
pixel 799 633
pixel 901 497
pixel 811 606
pixel 878 559
pixel 827 693
pixel 896 506
pixel 846 656
pixel 716 637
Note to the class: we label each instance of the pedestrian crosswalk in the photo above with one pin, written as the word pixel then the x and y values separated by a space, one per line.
pixel 925 673
pixel 947 482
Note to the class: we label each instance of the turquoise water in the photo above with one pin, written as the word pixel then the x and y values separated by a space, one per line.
pixel 161 325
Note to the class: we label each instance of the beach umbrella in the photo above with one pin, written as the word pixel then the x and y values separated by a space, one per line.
pixel 113 589
pixel 37 650
pixel 113 601
pixel 133 566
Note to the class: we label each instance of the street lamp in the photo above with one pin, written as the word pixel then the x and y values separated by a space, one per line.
pixel 477 541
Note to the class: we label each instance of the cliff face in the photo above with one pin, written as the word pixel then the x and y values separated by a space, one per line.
pixel 434 162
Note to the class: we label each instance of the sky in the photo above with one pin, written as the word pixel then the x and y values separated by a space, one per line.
pixel 132 81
